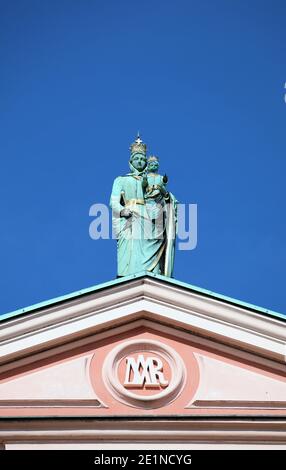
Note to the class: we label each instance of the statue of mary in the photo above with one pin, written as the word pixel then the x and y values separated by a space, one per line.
pixel 144 222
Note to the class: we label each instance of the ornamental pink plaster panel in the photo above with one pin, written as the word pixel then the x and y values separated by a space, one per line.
pixel 142 372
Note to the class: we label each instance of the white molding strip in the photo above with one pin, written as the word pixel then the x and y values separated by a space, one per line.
pixel 24 336
pixel 207 431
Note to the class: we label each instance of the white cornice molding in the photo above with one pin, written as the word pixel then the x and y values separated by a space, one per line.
pixel 234 430
pixel 147 298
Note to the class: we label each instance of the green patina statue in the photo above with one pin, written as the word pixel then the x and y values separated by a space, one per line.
pixel 144 217
pixel 154 183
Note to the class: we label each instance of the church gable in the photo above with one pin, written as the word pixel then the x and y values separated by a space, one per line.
pixel 58 324
pixel 143 368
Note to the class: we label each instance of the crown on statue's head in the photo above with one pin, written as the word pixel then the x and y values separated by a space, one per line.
pixel 153 158
pixel 138 146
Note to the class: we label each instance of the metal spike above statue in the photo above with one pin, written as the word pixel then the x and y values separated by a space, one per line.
pixel 144 216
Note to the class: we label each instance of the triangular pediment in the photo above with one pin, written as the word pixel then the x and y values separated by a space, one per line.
pixel 147 298
pixel 209 356
pixel 88 378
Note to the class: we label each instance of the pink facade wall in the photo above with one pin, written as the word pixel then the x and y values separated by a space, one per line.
pixel 83 382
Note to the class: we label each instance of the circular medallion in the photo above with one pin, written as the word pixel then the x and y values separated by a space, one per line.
pixel 144 373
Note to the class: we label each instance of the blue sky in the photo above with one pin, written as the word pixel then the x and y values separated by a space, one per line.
pixel 204 83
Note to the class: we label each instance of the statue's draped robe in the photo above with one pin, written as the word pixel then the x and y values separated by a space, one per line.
pixel 142 244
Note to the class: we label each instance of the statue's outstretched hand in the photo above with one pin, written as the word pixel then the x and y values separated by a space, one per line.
pixel 125 213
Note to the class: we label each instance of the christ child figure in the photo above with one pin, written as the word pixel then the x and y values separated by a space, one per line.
pixel 154 184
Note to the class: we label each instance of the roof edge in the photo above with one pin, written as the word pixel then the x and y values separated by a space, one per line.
pixel 142 274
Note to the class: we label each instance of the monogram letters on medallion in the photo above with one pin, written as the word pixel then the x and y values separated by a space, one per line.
pixel 144 372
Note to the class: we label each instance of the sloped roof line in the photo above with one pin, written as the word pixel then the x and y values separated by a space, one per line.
pixel 175 282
